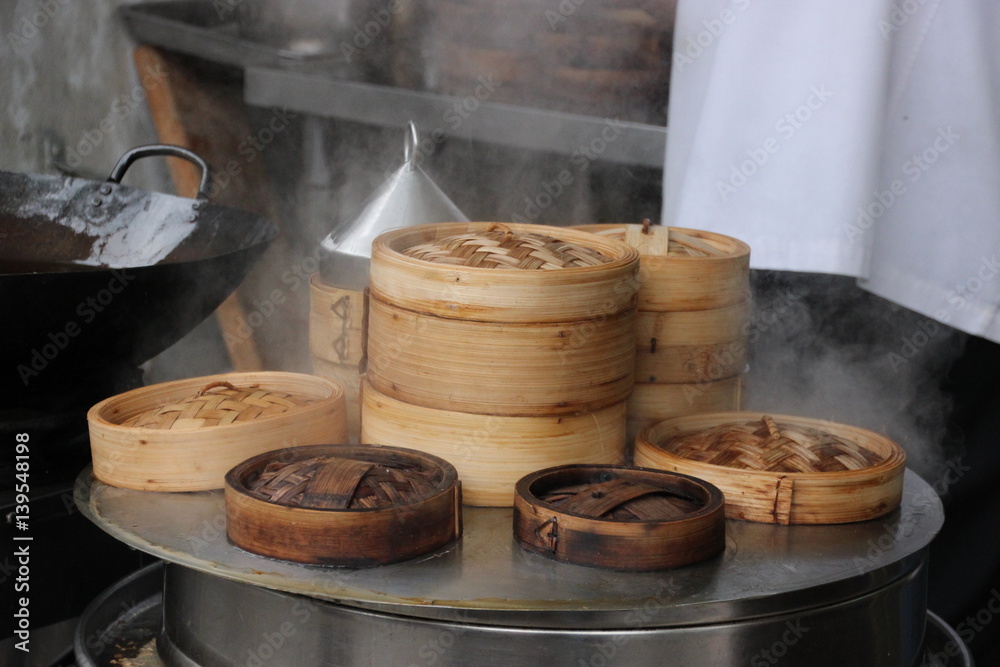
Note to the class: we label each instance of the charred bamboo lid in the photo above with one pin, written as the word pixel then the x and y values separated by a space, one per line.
pixel 618 517
pixel 346 505
pixel 781 468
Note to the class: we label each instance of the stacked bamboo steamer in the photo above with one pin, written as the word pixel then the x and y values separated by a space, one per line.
pixel 502 349
pixel 337 292
pixel 693 321
pixel 336 331
pixel 599 59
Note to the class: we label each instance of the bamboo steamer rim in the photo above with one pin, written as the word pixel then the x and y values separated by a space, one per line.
pixel 729 247
pixel 102 415
pixel 652 439
pixel 391 246
pixel 237 477
pixel 554 532
pixel 712 497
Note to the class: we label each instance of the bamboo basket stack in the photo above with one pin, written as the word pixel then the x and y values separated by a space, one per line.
pixel 693 321
pixel 503 349
pixel 336 334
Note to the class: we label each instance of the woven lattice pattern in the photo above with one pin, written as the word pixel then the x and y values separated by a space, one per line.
pixel 766 445
pixel 500 248
pixel 217 405
pixel 335 483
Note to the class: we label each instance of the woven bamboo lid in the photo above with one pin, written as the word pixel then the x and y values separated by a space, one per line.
pixel 330 482
pixel 344 505
pixel 504 272
pixel 499 247
pixel 218 404
pixel 163 437
pixel 780 468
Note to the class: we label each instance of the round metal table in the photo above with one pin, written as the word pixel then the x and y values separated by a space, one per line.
pixel 843 594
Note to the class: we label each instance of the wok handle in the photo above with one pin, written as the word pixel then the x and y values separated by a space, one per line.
pixel 126 160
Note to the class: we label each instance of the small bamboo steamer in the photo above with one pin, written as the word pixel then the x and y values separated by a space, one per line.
pixel 787 497
pixel 336 323
pixel 500 367
pixel 691 346
pixel 492 452
pixel 344 537
pixel 349 377
pixel 503 295
pixel 682 518
pixel 195 458
pixel 671 279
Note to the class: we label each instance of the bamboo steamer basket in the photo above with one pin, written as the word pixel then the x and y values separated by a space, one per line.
pixel 619 518
pixel 691 346
pixel 501 294
pixel 492 452
pixel 194 430
pixel 782 469
pixel 454 326
pixel 652 403
pixel 345 505
pixel 500 367
pixel 336 323
pixel 684 269
pixel 349 377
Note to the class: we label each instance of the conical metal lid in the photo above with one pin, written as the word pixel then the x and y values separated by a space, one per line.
pixel 408 197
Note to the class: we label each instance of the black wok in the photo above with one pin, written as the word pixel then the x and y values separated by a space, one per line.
pixel 95 277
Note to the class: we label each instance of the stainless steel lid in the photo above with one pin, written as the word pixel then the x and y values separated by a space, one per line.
pixel 408 197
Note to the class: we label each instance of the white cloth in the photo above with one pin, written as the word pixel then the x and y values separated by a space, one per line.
pixel 855 137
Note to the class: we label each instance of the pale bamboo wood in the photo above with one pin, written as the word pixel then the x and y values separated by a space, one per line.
pixel 492 452
pixel 196 459
pixel 700 271
pixel 503 368
pixel 787 497
pixel 691 346
pixel 667 541
pixel 335 323
pixel 170 98
pixel 503 295
pixel 343 537
pixel 348 377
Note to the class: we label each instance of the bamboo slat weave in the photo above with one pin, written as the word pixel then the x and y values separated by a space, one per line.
pixel 500 248
pixel 338 483
pixel 767 445
pixel 218 404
